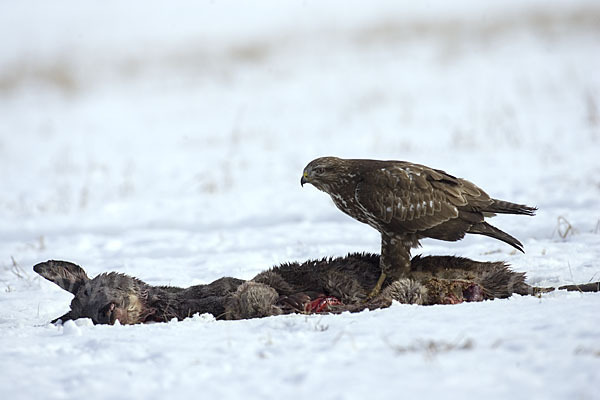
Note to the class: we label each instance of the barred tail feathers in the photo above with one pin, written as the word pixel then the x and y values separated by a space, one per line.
pixel 506 207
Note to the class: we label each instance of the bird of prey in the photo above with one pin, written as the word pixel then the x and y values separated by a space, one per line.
pixel 407 202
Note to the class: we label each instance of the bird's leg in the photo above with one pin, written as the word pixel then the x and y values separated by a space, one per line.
pixel 394 261
pixel 377 289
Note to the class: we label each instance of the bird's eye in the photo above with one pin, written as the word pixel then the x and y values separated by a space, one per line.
pixel 319 170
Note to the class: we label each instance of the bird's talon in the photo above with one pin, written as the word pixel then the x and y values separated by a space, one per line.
pixel 377 289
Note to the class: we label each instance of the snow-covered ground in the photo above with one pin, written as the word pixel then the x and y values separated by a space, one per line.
pixel 169 143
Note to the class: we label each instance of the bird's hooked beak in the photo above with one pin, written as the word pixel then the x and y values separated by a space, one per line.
pixel 304 178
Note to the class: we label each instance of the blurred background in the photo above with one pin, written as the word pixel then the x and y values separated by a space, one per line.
pixel 134 135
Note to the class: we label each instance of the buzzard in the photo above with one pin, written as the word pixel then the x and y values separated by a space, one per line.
pixel 407 202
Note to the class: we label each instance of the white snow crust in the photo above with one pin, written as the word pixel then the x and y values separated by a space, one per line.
pixel 168 141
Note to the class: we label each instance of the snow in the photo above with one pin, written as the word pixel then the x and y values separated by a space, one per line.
pixel 169 144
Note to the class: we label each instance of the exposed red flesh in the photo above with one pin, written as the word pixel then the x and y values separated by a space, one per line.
pixel 321 304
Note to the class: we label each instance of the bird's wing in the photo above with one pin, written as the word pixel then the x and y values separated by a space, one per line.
pixel 412 197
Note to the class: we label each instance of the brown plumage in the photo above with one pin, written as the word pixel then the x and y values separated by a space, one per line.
pixel 407 202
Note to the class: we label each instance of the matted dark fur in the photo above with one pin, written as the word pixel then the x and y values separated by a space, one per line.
pixel 407 202
pixel 287 288
pixel 111 296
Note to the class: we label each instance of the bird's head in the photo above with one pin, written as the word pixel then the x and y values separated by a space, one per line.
pixel 323 172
